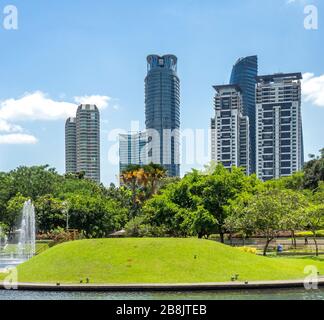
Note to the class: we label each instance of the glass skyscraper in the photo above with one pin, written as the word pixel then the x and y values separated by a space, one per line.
pixel 244 74
pixel 162 111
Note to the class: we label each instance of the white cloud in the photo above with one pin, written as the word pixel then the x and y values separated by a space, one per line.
pixel 101 102
pixel 35 106
pixel 313 89
pixel 8 127
pixel 17 139
pixel 38 106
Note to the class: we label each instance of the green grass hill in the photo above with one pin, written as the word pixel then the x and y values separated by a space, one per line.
pixel 121 261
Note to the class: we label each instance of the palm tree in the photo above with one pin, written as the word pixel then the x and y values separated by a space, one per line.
pixel 129 178
pixel 155 173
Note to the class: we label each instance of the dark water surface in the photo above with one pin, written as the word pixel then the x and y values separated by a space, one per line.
pixel 210 295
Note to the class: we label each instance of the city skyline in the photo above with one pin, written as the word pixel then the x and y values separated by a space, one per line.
pixel 53 78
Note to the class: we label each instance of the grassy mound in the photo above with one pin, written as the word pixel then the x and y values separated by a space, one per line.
pixel 156 261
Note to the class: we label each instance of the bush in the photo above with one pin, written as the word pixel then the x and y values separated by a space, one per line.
pixel 319 233
pixel 137 228
pixel 248 250
pixel 60 235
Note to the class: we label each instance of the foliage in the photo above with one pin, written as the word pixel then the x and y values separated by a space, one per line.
pixel 248 250
pixel 314 172
pixel 13 210
pixel 314 221
pixel 51 194
pixel 307 234
pixel 143 182
pixel 150 204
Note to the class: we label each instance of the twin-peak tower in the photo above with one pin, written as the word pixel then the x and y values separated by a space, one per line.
pixel 258 122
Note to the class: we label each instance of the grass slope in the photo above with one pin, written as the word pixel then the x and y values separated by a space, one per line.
pixel 156 261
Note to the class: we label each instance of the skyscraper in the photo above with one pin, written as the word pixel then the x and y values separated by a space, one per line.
pixel 230 129
pixel 70 146
pixel 162 111
pixel 132 149
pixel 279 125
pixel 82 142
pixel 244 74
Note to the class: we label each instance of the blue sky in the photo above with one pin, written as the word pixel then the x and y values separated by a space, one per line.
pixel 65 52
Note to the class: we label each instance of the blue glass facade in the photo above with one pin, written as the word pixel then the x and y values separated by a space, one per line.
pixel 162 112
pixel 244 74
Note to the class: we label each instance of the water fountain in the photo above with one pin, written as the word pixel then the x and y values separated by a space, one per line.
pixel 25 249
pixel 27 239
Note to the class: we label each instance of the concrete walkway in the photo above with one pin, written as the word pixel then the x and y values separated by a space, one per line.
pixel 225 286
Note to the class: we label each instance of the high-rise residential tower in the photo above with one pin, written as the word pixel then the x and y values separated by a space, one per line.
pixel 82 142
pixel 162 111
pixel 279 125
pixel 230 129
pixel 70 146
pixel 244 74
pixel 132 150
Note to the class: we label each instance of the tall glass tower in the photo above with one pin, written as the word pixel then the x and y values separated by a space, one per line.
pixel 162 111
pixel 244 74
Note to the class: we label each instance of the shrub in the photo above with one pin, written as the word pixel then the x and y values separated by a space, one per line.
pixel 319 233
pixel 248 250
pixel 60 235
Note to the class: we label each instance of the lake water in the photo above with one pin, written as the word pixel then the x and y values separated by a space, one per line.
pixel 235 295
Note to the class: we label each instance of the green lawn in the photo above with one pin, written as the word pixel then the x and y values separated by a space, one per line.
pixel 156 261
pixel 41 246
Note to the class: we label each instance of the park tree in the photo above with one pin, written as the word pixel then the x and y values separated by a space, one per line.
pixel 238 219
pixel 314 172
pixel 6 192
pixel 32 182
pixel 143 182
pixel 293 204
pixel 203 223
pixel 13 211
pixel 217 189
pixel 314 221
pixel 50 213
pixel 162 213
pixel 95 216
pixel 263 214
pixel 154 173
pixel 129 178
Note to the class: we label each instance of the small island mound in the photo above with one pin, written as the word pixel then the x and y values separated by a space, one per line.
pixel 146 261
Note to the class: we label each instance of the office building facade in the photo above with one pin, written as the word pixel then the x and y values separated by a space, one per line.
pixel 162 112
pixel 244 75
pixel 85 156
pixel 230 129
pixel 279 134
